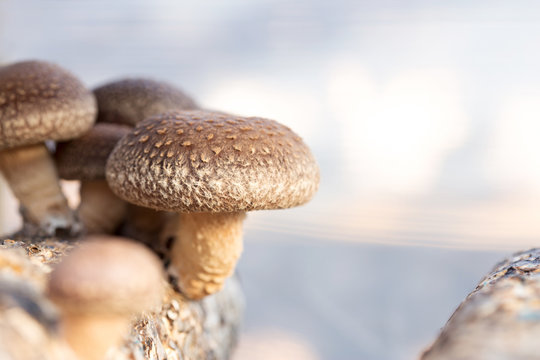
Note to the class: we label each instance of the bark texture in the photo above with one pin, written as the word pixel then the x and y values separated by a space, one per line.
pixel 500 319
pixel 181 329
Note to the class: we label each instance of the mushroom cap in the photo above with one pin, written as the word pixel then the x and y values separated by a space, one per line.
pixel 107 275
pixel 84 158
pixel 41 101
pixel 130 101
pixel 199 161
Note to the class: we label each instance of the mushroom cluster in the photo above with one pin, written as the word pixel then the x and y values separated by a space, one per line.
pixel 154 167
pixel 211 168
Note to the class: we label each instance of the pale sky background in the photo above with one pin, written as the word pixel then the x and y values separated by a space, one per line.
pixel 399 100
pixel 423 116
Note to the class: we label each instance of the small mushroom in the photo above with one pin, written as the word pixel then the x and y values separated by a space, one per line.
pixel 84 159
pixel 211 168
pixel 129 101
pixel 100 287
pixel 40 101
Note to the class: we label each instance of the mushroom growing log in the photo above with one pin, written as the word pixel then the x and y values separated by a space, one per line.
pixel 500 319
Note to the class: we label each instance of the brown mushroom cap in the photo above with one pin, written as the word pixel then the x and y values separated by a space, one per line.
pixel 130 101
pixel 41 101
pixel 107 274
pixel 199 161
pixel 85 158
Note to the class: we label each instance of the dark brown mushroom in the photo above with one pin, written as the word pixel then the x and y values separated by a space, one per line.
pixel 40 101
pixel 129 101
pixel 84 159
pixel 211 168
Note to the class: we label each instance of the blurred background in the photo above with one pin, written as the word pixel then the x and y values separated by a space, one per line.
pixel 423 115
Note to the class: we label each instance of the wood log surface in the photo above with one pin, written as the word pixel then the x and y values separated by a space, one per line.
pixel 500 319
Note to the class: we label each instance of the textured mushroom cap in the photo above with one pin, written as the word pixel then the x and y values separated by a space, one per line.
pixel 107 274
pixel 85 158
pixel 41 101
pixel 130 101
pixel 198 161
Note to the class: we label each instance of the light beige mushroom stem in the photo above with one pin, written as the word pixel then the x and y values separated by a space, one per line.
pixel 33 178
pixel 100 210
pixel 206 251
pixel 90 336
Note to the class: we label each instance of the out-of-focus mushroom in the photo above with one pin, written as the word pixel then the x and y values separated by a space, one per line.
pixel 100 287
pixel 130 101
pixel 84 159
pixel 40 101
pixel 211 168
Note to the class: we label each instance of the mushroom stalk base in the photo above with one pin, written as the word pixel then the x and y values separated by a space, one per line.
pixel 206 250
pixel 100 210
pixel 91 336
pixel 33 178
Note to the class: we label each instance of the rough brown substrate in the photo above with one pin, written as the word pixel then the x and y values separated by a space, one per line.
pixel 182 329
pixel 500 319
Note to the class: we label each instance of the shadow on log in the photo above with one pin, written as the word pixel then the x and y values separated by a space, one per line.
pixel 500 319
pixel 182 329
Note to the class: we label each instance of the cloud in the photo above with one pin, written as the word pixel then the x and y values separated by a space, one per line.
pixel 514 159
pixel 290 104
pixel 396 132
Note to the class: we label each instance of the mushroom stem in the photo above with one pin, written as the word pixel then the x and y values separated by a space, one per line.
pixel 100 210
pixel 90 336
pixel 206 250
pixel 32 176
